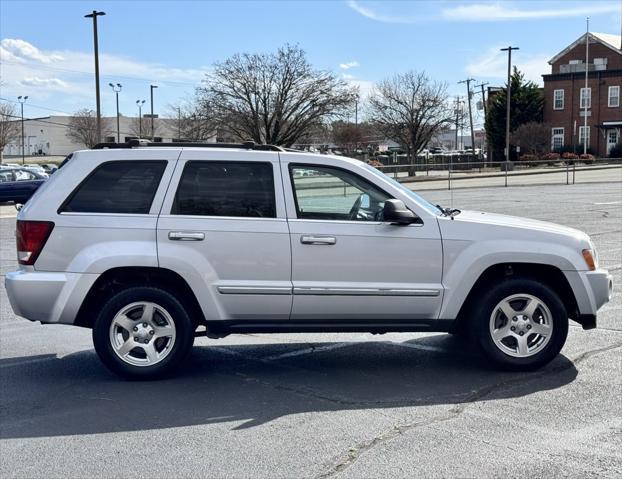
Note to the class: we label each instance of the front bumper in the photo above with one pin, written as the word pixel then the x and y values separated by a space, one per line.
pixel 592 289
pixel 47 297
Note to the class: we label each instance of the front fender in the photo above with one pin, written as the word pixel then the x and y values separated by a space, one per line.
pixel 466 261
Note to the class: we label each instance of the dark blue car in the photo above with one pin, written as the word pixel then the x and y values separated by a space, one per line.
pixel 17 184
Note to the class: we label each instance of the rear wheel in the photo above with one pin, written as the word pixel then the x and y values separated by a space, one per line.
pixel 143 333
pixel 521 324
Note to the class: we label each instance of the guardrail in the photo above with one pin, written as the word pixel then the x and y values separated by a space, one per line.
pixel 455 171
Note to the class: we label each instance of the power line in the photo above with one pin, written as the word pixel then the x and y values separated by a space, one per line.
pixel 30 105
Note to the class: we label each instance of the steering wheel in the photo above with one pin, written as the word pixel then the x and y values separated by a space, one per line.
pixel 354 211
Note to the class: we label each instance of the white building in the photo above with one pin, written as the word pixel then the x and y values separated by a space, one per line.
pixel 48 135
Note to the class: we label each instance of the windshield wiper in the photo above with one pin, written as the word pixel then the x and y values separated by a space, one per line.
pixel 449 211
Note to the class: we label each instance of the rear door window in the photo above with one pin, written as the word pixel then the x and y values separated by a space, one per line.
pixel 226 188
pixel 118 187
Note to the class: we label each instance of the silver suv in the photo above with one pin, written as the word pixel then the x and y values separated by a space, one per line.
pixel 151 246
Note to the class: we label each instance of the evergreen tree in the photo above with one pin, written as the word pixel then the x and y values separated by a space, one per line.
pixel 526 105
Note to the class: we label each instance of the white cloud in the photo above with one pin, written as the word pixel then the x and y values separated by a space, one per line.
pixel 494 65
pixel 493 12
pixel 13 49
pixel 348 65
pixel 48 83
pixel 475 12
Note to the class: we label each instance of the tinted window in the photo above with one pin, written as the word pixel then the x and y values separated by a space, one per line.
pixel 118 187
pixel 325 193
pixel 218 188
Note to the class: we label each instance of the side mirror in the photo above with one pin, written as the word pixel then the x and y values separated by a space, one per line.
pixel 395 212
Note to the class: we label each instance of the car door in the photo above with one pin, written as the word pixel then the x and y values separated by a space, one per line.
pixel 348 264
pixel 223 227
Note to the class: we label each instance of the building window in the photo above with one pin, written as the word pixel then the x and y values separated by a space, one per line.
pixel 584 132
pixel 586 98
pixel 557 139
pixel 614 96
pixel 558 99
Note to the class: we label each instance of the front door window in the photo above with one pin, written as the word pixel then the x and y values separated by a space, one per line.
pixel 612 139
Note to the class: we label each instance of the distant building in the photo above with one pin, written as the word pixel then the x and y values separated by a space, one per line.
pixel 48 135
pixel 565 94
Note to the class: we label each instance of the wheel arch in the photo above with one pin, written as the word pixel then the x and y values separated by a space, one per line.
pixel 547 274
pixel 117 279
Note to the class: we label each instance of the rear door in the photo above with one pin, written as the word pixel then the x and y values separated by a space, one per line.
pixel 223 227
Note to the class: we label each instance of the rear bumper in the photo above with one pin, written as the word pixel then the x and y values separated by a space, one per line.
pixel 47 297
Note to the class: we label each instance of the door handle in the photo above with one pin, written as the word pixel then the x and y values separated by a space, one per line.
pixel 186 235
pixel 319 240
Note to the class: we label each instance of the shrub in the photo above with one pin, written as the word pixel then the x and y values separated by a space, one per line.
pixel 529 159
pixel 570 156
pixel 587 158
pixel 616 151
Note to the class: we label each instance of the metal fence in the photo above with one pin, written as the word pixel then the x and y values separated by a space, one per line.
pixel 451 171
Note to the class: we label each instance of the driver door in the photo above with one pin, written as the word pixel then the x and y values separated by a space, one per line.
pixel 347 264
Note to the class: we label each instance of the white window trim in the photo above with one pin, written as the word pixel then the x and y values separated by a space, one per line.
pixel 582 128
pixel 609 96
pixel 563 99
pixel 561 135
pixel 588 98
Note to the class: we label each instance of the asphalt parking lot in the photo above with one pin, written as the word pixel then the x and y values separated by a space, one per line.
pixel 333 405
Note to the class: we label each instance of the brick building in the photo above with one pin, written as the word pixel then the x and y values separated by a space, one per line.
pixel 565 94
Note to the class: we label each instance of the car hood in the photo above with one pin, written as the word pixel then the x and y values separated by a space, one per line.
pixel 474 225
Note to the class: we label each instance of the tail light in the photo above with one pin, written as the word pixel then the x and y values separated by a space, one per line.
pixel 31 237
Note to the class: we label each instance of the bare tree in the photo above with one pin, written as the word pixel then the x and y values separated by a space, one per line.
pixel 346 135
pixel 9 126
pixel 533 138
pixel 273 98
pixel 410 109
pixel 190 123
pixel 82 128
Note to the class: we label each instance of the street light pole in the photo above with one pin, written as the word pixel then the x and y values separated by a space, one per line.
pixel 21 101
pixel 507 113
pixel 94 16
pixel 140 104
pixel 151 87
pixel 117 88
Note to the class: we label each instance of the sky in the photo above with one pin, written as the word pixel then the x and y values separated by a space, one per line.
pixel 46 47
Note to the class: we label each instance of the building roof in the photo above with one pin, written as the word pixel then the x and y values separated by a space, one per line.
pixel 609 40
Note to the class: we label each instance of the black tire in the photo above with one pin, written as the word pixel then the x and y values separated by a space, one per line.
pixel 482 316
pixel 183 325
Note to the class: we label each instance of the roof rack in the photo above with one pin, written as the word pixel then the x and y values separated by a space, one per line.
pixel 135 143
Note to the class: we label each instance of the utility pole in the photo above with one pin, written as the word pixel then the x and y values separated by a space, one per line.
pixel 140 104
pixel 151 87
pixel 483 97
pixel 117 88
pixel 587 47
pixel 457 113
pixel 21 101
pixel 469 94
pixel 94 16
pixel 179 123
pixel 507 113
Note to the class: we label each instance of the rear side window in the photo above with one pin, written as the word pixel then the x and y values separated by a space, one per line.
pixel 118 187
pixel 219 188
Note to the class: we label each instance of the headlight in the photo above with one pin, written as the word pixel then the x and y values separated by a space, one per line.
pixel 591 258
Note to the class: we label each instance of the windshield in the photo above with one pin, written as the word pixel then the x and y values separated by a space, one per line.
pixel 419 199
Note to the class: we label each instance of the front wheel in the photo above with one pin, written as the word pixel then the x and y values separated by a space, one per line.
pixel 143 333
pixel 521 324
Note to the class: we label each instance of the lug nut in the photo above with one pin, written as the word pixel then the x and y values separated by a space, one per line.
pixel 144 325
pixel 514 318
pixel 135 339
pixel 152 332
pixel 513 328
pixel 146 341
pixel 522 333
pixel 135 328
pixel 529 326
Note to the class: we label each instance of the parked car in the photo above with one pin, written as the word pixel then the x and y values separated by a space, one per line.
pixel 36 168
pixel 18 184
pixel 49 167
pixel 151 246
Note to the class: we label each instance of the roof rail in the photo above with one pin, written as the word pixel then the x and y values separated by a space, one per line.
pixel 136 142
